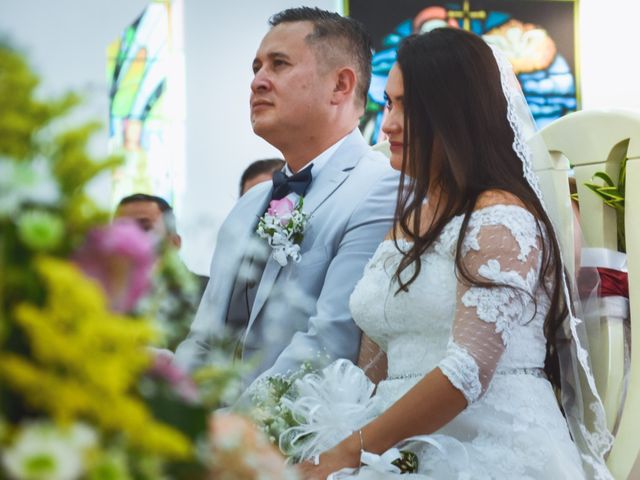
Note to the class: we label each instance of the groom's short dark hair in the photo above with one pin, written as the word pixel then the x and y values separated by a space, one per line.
pixel 335 39
pixel 167 211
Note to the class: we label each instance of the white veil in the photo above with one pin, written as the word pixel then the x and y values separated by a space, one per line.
pixel 579 397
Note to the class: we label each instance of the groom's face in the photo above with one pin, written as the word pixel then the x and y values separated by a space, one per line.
pixel 289 93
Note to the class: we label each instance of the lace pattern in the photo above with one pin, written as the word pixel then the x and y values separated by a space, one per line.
pixel 520 222
pixel 515 102
pixel 502 248
pixel 500 305
pixel 462 371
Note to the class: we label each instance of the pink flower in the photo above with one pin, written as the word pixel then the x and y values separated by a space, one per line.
pixel 282 209
pixel 180 382
pixel 120 257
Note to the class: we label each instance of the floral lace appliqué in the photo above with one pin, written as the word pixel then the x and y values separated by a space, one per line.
pixel 519 221
pixel 462 371
pixel 500 305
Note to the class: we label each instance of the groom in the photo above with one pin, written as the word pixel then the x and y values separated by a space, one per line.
pixel 311 76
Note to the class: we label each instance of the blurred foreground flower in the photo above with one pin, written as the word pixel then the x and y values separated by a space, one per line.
pixel 241 452
pixel 121 257
pixel 26 183
pixel 80 395
pixel 87 360
pixel 43 451
pixel 172 299
pixel 40 230
pixel 180 382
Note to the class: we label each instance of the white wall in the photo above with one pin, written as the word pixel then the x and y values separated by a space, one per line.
pixel 610 45
pixel 610 59
pixel 66 41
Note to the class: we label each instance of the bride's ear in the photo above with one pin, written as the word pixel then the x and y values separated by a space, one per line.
pixel 344 88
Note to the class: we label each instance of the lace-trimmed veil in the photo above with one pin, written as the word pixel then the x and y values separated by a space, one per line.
pixel 579 397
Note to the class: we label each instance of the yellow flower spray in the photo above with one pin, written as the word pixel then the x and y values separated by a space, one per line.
pixel 85 361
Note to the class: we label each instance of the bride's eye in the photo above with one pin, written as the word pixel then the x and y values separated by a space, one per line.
pixel 387 102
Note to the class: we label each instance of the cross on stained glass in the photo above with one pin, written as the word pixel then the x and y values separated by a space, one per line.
pixel 467 15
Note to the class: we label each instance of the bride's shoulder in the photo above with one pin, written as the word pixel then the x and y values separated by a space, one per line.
pixel 500 204
pixel 490 198
pixel 500 208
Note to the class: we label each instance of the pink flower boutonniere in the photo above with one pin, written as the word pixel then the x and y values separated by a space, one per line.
pixel 283 227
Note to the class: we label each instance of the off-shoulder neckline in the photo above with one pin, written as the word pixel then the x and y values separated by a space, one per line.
pixel 460 216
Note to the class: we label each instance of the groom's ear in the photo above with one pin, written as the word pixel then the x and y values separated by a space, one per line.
pixel 345 85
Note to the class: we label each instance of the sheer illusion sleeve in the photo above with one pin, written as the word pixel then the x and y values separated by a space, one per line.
pixel 501 247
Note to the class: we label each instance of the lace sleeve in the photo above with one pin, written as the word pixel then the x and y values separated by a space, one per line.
pixel 503 250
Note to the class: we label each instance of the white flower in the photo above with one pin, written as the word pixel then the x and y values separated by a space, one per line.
pixel 25 182
pixel 82 436
pixel 42 451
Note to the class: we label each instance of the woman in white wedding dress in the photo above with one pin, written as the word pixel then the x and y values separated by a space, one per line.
pixel 466 295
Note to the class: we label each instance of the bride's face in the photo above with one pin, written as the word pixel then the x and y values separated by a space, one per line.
pixel 393 124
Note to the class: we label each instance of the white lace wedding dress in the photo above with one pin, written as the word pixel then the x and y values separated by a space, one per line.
pixel 488 342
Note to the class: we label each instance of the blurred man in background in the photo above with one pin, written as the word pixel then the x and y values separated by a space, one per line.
pixel 258 172
pixel 153 214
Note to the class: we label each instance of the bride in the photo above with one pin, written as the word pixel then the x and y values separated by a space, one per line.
pixel 466 295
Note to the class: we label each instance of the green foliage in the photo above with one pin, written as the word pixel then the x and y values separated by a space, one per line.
pixel 173 298
pixel 612 194
pixel 72 164
pixel 268 410
pixel 23 115
pixel 43 174
pixel 407 463
pixel 28 127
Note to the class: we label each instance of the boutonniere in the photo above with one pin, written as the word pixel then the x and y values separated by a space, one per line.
pixel 283 227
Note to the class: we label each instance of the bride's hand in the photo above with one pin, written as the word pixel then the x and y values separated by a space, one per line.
pixel 343 455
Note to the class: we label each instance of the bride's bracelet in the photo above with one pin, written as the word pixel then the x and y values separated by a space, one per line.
pixel 361 445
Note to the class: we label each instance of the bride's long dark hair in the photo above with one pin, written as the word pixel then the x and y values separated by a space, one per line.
pixel 452 92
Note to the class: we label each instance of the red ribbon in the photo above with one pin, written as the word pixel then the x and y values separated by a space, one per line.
pixel 613 283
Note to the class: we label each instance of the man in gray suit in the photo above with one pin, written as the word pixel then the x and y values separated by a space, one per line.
pixel 311 76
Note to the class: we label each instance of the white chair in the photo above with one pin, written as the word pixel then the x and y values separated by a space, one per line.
pixel 591 141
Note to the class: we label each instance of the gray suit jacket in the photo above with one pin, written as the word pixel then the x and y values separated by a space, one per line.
pixel 301 311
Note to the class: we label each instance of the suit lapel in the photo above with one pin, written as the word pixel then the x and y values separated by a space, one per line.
pixel 332 175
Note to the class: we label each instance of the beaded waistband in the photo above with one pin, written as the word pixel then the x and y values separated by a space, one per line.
pixel 534 371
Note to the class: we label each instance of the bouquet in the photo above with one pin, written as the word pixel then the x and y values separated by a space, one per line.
pixel 328 405
pixel 309 412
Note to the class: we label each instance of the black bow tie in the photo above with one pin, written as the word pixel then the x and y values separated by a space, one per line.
pixel 298 183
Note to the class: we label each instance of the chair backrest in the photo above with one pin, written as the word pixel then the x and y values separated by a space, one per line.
pixel 590 141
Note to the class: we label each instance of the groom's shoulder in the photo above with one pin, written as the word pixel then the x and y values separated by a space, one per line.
pixel 372 185
pixel 375 177
pixel 374 167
